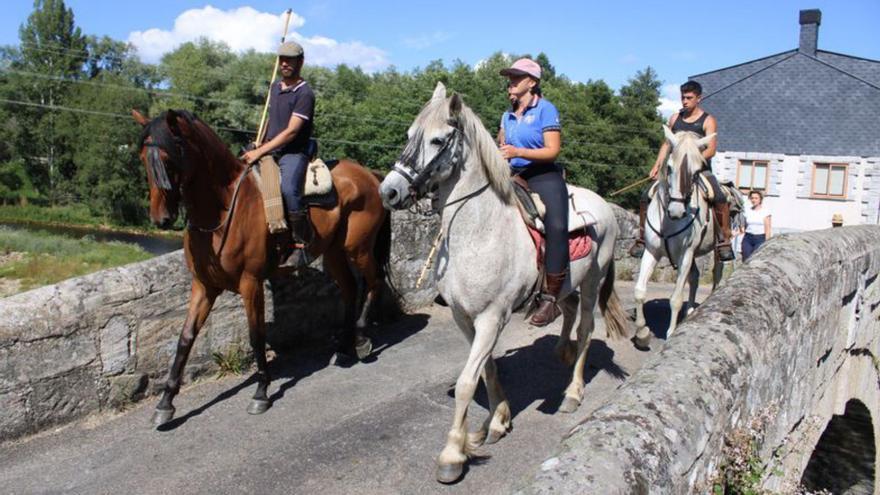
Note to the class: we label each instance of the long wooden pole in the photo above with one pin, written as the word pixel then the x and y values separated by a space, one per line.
pixel 627 188
pixel 261 131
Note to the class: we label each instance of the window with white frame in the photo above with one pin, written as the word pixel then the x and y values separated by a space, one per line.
pixel 829 180
pixel 752 175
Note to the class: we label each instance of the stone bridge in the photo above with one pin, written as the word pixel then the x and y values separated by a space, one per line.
pixel 783 355
pixel 786 353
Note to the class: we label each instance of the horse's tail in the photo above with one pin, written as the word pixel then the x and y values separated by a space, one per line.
pixel 615 318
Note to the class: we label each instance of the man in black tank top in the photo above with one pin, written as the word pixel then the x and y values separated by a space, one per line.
pixel 694 119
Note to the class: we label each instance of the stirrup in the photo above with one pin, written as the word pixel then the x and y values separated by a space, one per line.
pixel 298 257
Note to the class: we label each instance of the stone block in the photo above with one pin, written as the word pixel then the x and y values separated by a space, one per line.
pixel 126 389
pixel 115 346
pixel 13 414
pixel 70 396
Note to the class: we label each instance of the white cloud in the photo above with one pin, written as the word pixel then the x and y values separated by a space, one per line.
pixel 480 63
pixel 246 28
pixel 670 100
pixel 427 40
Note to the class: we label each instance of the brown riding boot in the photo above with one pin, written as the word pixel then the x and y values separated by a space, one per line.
pixel 722 234
pixel 638 247
pixel 301 233
pixel 547 310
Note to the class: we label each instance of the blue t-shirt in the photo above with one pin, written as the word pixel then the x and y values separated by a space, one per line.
pixel 528 131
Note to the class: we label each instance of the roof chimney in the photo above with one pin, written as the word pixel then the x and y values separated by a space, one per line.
pixel 810 20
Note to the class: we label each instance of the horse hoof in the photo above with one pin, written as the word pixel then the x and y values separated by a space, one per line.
pixel 449 473
pixel 494 436
pixel 258 406
pixel 642 343
pixel 569 405
pixel 162 416
pixel 363 349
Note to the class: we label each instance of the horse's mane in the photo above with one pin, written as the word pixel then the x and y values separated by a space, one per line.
pixel 210 142
pixel 436 114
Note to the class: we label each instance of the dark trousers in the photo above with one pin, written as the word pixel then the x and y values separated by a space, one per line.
pixel 751 242
pixel 547 181
pixel 293 171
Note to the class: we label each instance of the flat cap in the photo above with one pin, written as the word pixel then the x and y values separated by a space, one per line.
pixel 290 49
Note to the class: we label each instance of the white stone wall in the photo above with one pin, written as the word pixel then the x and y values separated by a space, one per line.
pixel 788 190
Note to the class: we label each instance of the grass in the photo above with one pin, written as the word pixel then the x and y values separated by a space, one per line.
pixel 47 258
pixel 234 361
pixel 71 216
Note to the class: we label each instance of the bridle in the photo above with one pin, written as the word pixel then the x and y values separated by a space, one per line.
pixel 160 178
pixel 451 155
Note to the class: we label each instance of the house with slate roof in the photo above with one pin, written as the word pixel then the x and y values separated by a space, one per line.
pixel 803 126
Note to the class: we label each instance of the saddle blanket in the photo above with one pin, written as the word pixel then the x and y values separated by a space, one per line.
pixel 579 244
pixel 318 189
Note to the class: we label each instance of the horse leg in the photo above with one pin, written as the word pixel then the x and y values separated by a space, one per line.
pixel 337 265
pixel 675 301
pixel 498 422
pixel 574 394
pixel 450 463
pixel 717 272
pixel 201 300
pixel 643 334
pixel 366 264
pixel 565 348
pixel 693 285
pixel 251 290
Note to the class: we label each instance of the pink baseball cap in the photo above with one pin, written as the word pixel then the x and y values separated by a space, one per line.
pixel 523 67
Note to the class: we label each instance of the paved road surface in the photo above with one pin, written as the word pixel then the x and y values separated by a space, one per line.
pixel 373 428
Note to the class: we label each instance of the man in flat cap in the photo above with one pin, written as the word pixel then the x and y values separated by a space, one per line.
pixel 291 117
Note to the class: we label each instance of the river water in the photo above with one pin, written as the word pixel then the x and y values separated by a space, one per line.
pixel 150 243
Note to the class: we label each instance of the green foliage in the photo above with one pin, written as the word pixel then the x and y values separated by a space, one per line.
pixel 58 157
pixel 233 361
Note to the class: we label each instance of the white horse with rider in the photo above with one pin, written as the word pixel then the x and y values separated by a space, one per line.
pixel 486 266
pixel 681 226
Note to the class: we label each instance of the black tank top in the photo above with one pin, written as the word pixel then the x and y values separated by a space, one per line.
pixel 695 127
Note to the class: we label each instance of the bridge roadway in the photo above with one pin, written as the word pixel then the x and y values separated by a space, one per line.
pixel 372 428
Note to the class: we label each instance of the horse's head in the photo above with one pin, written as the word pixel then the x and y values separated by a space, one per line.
pixel 434 148
pixel 162 150
pixel 685 160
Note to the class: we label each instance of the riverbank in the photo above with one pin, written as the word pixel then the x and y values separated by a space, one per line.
pixel 30 259
pixel 75 216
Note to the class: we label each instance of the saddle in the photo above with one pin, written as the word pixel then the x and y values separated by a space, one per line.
pixel 532 211
pixel 318 189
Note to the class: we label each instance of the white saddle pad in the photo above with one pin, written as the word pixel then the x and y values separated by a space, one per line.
pixel 318 179
pixel 579 217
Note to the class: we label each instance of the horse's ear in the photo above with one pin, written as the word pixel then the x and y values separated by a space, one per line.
pixel 139 118
pixel 670 136
pixel 171 121
pixel 439 92
pixel 703 142
pixel 455 105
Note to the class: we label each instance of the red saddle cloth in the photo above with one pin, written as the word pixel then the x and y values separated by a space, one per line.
pixel 579 244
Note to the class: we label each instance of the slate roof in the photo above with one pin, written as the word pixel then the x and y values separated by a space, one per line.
pixel 795 103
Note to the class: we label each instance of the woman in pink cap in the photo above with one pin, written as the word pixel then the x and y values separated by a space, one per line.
pixel 530 139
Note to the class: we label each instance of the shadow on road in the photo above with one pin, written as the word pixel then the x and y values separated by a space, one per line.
pixel 534 373
pixel 293 366
pixel 658 314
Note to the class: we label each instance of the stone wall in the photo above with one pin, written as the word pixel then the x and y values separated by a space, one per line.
pixel 107 339
pixel 792 337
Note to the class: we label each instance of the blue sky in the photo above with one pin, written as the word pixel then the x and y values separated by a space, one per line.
pixel 584 39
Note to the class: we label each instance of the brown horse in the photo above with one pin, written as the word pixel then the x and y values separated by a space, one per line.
pixel 227 245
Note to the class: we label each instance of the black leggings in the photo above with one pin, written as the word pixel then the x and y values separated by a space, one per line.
pixel 546 180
